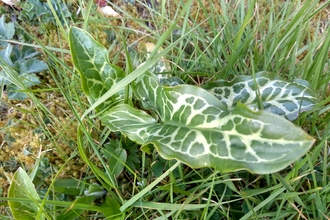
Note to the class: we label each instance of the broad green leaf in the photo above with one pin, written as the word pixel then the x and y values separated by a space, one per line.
pixel 117 161
pixel 110 208
pixel 22 187
pixel 68 186
pixel 276 95
pixel 97 74
pixel 157 168
pixel 195 128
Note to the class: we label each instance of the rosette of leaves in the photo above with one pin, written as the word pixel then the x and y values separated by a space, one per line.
pixel 18 70
pixel 190 124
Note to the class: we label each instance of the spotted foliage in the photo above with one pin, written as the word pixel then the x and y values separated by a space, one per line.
pixel 97 74
pixel 197 129
pixel 288 98
pixel 191 124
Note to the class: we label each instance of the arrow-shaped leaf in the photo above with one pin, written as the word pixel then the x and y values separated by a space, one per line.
pixel 277 96
pixel 92 62
pixel 196 129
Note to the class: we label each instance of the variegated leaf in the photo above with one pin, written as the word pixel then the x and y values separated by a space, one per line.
pixel 91 60
pixel 276 95
pixel 195 128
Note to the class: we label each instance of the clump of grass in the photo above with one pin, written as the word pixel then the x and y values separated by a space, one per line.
pixel 288 38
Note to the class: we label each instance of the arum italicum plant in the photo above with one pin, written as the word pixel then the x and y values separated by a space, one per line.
pixel 217 125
